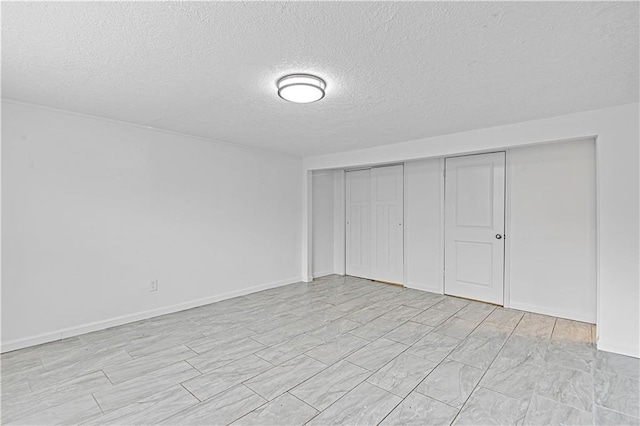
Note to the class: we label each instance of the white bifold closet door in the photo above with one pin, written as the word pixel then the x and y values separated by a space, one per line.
pixel 474 227
pixel 375 221
pixel 358 218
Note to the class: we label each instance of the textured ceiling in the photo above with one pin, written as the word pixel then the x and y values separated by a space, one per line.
pixel 395 71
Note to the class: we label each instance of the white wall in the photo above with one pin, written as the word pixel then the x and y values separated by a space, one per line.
pixel 618 193
pixel 92 210
pixel 422 224
pixel 551 235
pixel 323 212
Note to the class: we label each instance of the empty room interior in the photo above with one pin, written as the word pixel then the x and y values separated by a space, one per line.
pixel 322 213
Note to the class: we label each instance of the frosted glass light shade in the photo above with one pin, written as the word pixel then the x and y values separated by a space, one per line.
pixel 301 88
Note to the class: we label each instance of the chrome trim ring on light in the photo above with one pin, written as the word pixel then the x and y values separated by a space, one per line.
pixel 304 80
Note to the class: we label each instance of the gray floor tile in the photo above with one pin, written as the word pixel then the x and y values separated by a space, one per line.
pixel 402 374
pixel 19 406
pixel 576 355
pixel 456 327
pixel 606 417
pixel 329 385
pixel 543 411
pixel 619 393
pixel 286 332
pixel 150 344
pixel 285 410
pixel 376 354
pixel 224 354
pixel 23 362
pixel 375 328
pixel 82 362
pixel 422 300
pixel 434 347
pixel 566 386
pixel 213 341
pixel 486 407
pixel 150 410
pixel 432 317
pixel 514 376
pixel 222 409
pixel 475 311
pixel 73 412
pixel 572 331
pixel 418 410
pixel 323 317
pixel 140 366
pixel 525 347
pixel 401 313
pixel 336 349
pixel 278 380
pixel 618 364
pixel 226 377
pixel 491 331
pixel 141 387
pixel 450 382
pixel 504 317
pixel 364 405
pixel 408 333
pixel 15 387
pixel 284 351
pixel 366 345
pixel 451 304
pixel 535 326
pixel 353 304
pixel 333 329
pixel 366 314
pixel 477 352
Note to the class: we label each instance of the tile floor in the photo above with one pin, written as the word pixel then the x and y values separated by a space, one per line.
pixel 339 350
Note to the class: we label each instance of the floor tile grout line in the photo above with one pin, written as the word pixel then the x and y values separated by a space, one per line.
pixel 368 377
pixel 105 375
pixel 359 383
pixel 487 370
pixel 99 406
pixel 616 411
pixel 436 366
pixel 185 388
pixel 304 402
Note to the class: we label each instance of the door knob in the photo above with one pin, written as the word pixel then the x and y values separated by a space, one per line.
pixel 498 236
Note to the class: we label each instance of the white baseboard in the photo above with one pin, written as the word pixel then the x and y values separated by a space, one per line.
pixel 13 345
pixel 322 274
pixel 627 350
pixel 576 316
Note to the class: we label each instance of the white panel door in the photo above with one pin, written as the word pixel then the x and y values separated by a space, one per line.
pixel 387 237
pixel 358 223
pixel 474 227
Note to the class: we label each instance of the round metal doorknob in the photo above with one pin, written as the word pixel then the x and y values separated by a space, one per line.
pixel 498 236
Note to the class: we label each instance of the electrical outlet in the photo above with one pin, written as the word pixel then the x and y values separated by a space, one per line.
pixel 153 286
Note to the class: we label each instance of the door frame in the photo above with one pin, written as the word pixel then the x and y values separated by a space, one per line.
pixel 507 222
pixel 342 267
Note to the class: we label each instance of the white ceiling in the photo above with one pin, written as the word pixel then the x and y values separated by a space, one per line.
pixel 395 71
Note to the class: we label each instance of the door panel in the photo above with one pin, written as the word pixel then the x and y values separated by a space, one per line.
pixel 474 227
pixel 388 221
pixel 358 226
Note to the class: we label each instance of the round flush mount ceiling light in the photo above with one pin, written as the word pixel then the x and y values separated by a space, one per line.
pixel 301 88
